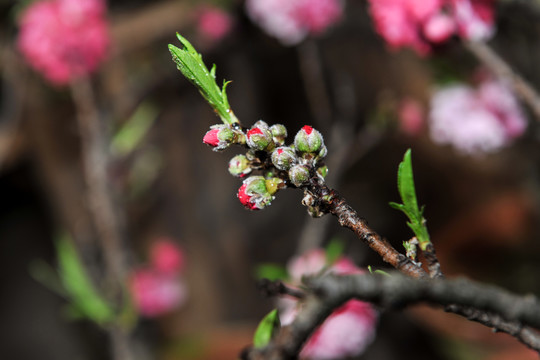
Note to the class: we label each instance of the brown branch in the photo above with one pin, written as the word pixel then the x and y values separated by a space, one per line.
pixel 496 64
pixel 275 288
pixel 103 207
pixel 485 304
pixel 432 261
pixel 331 202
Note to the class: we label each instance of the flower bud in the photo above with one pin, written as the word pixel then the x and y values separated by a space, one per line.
pixel 219 137
pixel 299 175
pixel 253 193
pixel 322 152
pixel 322 171
pixel 239 166
pixel 283 158
pixel 259 137
pixel 273 185
pixel 308 140
pixel 279 133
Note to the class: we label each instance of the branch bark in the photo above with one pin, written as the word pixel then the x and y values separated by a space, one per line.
pixel 495 63
pixel 102 205
pixel 331 202
pixel 486 304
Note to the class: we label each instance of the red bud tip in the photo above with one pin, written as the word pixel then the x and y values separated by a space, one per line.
pixel 279 151
pixel 211 138
pixel 308 129
pixel 254 131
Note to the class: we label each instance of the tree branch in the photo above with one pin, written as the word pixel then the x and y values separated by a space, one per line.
pixel 495 63
pixel 331 202
pixel 485 304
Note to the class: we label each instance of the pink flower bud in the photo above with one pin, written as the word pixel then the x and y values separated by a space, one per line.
pixel 210 138
pixel 166 257
pixel 410 116
pixel 155 293
pixel 345 333
pixel 245 199
pixel 348 330
pixel 254 194
pixel 220 137
pixel 214 23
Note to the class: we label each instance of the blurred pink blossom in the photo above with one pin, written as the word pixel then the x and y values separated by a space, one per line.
pixel 291 21
pixel 166 257
pixel 348 330
pixel 159 288
pixel 419 24
pixel 214 23
pixel 474 18
pixel 63 39
pixel 476 120
pixel 410 116
pixel 156 293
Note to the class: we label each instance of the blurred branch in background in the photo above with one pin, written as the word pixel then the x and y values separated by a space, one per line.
pixel 14 83
pixel 495 63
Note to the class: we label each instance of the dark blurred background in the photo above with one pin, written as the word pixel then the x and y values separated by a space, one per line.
pixel 482 211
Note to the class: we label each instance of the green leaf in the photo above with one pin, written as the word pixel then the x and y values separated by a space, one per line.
pixel 406 184
pixel 409 207
pixel 78 286
pixel 271 272
pixel 334 250
pixel 134 130
pixel 371 271
pixel 191 64
pixel 266 329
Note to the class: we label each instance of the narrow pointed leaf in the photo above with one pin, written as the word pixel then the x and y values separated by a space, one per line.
pixel 78 285
pixel 191 65
pixel 266 329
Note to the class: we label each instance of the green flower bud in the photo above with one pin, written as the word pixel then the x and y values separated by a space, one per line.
pixel 239 166
pixel 299 175
pixel 308 140
pixel 279 133
pixel 259 137
pixel 322 171
pixel 283 158
pixel 273 185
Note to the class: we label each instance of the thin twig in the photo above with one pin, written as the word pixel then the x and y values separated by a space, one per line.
pixel 496 64
pixel 330 201
pixel 102 204
pixel 275 288
pixel 311 69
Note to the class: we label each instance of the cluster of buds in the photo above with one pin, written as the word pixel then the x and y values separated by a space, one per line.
pixel 281 166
